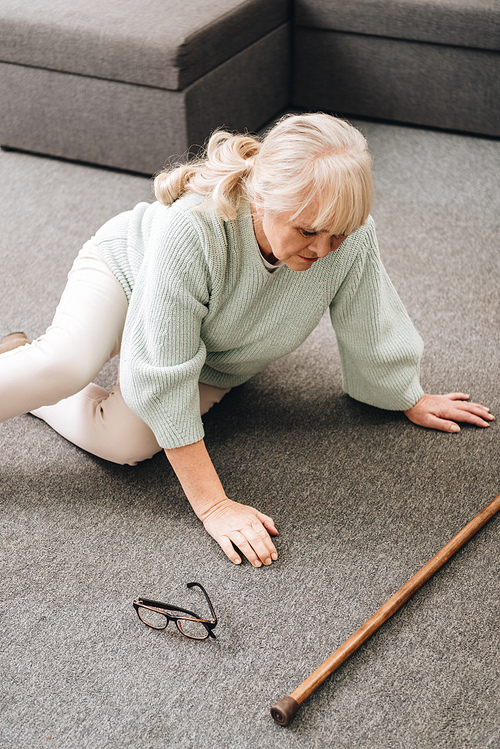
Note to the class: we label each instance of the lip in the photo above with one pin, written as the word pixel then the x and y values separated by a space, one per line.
pixel 309 259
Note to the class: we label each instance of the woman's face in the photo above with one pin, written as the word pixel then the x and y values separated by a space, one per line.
pixel 292 241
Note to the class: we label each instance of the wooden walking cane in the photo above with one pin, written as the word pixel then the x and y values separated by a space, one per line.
pixel 284 710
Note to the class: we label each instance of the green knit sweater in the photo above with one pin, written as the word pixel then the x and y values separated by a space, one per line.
pixel 203 307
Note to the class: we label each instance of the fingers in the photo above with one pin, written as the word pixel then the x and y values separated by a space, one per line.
pixel 443 425
pixel 235 525
pixel 446 425
pixel 478 419
pixel 254 542
pixel 470 413
pixel 228 549
pixel 268 523
pixel 444 411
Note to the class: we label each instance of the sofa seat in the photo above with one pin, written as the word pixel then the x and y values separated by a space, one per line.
pixel 127 84
pixel 427 62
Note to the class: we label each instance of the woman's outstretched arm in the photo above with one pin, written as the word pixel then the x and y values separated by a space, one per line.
pixel 228 522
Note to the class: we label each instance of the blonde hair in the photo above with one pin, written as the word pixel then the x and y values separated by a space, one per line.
pixel 310 160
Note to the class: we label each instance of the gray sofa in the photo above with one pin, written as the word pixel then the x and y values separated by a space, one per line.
pixel 129 85
pixel 427 62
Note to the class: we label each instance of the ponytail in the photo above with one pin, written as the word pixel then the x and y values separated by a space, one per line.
pixel 221 173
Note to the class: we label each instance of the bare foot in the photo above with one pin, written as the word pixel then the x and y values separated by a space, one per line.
pixel 13 340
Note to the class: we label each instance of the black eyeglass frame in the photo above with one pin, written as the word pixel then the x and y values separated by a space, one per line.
pixel 163 608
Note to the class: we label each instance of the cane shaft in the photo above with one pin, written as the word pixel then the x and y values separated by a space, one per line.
pixel 302 692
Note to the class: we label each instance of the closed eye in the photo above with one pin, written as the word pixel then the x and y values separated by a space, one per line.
pixel 306 233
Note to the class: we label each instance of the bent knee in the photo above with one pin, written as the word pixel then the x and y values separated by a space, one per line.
pixel 125 438
pixel 58 361
pixel 101 424
pixel 73 375
pixel 130 453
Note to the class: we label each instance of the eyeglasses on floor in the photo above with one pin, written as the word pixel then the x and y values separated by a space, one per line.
pixel 157 615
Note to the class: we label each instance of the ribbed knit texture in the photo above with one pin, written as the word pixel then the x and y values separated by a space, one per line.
pixel 204 308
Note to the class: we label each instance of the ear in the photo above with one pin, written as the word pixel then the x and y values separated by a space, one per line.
pixel 257 209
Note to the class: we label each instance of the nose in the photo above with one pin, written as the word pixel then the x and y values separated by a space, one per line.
pixel 325 243
pixel 335 242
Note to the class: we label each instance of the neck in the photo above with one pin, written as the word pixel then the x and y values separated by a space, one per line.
pixel 260 236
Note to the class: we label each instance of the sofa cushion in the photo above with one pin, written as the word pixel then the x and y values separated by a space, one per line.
pixel 463 23
pixel 436 85
pixel 133 127
pixel 163 43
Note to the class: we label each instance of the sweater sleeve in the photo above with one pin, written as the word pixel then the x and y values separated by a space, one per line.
pixel 380 350
pixel 162 352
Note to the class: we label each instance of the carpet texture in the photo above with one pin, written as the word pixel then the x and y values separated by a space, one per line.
pixel 361 497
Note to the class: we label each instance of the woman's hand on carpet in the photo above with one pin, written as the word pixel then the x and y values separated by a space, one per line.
pixel 444 411
pixel 230 522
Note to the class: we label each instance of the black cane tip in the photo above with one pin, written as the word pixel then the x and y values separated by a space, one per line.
pixel 284 710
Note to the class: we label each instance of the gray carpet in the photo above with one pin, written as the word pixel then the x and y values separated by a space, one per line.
pixel 361 497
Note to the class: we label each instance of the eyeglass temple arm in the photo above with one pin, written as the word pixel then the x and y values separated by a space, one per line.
pixel 199 585
pixel 166 606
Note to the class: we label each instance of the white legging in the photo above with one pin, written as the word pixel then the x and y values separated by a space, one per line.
pixel 50 377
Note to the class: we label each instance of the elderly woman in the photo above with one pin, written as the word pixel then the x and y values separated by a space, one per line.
pixel 231 268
